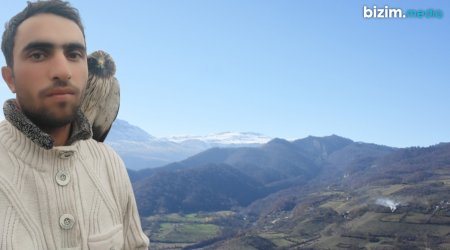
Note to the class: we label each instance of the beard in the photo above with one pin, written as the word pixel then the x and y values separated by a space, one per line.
pixel 56 115
pixel 46 119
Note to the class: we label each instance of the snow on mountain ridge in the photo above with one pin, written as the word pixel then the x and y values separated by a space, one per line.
pixel 140 150
pixel 124 131
pixel 224 138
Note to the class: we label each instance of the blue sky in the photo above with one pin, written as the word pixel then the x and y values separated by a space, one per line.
pixel 286 68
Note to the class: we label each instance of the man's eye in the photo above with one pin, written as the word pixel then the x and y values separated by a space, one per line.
pixel 75 55
pixel 37 56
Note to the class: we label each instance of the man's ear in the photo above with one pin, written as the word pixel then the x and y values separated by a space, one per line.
pixel 8 76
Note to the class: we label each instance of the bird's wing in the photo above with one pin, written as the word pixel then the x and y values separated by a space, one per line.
pixel 102 135
pixel 110 109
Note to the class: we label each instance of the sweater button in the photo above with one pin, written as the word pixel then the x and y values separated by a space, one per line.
pixel 62 178
pixel 66 221
pixel 65 154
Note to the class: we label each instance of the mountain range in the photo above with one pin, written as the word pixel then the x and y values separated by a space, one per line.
pixel 140 150
pixel 397 201
pixel 313 193
pixel 254 171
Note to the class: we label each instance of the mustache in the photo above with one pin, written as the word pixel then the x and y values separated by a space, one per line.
pixel 60 85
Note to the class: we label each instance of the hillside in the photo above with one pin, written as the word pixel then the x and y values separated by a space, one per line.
pixel 274 166
pixel 208 188
pixel 313 193
pixel 400 201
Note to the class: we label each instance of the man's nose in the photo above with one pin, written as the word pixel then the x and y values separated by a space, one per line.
pixel 60 68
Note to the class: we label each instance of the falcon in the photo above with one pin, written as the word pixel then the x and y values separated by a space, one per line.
pixel 101 99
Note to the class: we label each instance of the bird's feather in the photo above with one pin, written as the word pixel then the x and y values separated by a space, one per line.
pixel 101 99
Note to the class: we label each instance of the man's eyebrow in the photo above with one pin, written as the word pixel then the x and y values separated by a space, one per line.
pixel 48 46
pixel 74 46
pixel 38 45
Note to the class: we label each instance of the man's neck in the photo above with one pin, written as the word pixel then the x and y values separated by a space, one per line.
pixel 59 135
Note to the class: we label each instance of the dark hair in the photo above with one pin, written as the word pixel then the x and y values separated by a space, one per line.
pixel 56 7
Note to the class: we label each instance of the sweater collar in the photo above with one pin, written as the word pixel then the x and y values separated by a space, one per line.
pixel 81 129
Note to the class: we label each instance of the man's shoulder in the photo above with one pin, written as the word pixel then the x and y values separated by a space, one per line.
pixel 5 131
pixel 3 124
pixel 100 147
pixel 94 151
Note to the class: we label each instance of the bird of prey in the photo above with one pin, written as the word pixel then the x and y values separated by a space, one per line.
pixel 101 100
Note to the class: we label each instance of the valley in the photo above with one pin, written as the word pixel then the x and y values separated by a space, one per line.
pixel 313 193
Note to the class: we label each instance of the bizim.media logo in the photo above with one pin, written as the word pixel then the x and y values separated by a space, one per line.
pixel 388 12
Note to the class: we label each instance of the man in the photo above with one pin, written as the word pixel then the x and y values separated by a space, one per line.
pixel 59 189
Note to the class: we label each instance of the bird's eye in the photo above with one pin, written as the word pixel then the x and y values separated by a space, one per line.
pixel 91 60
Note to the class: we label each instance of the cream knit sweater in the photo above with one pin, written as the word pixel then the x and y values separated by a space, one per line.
pixel 67 197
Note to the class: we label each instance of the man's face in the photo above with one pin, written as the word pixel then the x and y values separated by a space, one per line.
pixel 50 71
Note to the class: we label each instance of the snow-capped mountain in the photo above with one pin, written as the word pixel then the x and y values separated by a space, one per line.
pixel 225 138
pixel 141 150
pixel 122 130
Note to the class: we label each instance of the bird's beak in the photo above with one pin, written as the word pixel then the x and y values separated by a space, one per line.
pixel 101 62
